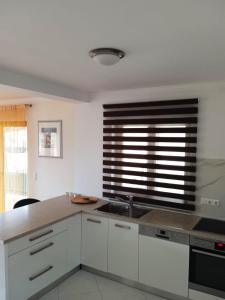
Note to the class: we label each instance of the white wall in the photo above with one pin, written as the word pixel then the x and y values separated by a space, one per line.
pixel 55 176
pixel 89 128
pixel 80 170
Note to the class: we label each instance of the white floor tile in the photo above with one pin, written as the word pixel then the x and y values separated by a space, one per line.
pixel 88 286
pixel 153 297
pixel 52 295
pixel 119 296
pixel 80 283
pixel 115 290
pixel 107 285
pixel 85 296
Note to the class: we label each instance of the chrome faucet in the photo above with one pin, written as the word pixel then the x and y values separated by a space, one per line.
pixel 129 201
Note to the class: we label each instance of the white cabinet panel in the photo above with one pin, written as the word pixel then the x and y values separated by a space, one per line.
pixel 36 237
pixel 74 241
pixel 164 265
pixel 123 249
pixel 94 242
pixel 36 267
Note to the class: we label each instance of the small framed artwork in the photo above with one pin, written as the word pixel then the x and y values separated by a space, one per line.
pixel 50 139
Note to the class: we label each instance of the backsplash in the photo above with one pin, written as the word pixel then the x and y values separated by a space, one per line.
pixel 211 184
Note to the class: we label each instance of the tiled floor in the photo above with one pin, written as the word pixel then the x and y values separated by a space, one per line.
pixel 87 286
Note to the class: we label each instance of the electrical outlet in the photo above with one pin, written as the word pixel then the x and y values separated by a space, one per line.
pixel 209 201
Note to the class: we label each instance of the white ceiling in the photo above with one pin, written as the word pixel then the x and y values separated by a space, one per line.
pixel 9 93
pixel 167 41
pixel 10 96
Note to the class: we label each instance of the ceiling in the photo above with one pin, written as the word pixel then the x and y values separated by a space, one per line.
pixel 8 93
pixel 15 96
pixel 166 41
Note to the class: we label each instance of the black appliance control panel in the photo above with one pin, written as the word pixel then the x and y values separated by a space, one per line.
pixel 207 244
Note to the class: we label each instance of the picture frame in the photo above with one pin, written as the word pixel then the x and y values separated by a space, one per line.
pixel 50 139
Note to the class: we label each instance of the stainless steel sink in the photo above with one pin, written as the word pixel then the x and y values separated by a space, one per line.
pixel 123 210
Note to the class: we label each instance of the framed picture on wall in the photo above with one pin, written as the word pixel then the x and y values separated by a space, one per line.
pixel 50 139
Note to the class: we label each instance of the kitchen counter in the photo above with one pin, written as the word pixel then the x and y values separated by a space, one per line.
pixel 25 220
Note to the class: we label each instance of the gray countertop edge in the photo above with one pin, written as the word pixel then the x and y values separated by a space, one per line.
pixel 22 234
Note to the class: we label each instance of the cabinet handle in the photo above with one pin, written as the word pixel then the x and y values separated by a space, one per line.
pixel 123 226
pixel 41 273
pixel 40 235
pixel 208 253
pixel 162 236
pixel 94 221
pixel 41 249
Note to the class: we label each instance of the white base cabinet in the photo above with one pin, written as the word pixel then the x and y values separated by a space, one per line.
pixel 35 268
pixel 164 265
pixel 31 263
pixel 123 249
pixel 73 242
pixel 94 242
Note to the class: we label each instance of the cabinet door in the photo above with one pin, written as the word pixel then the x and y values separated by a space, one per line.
pixel 36 267
pixel 94 242
pixel 164 265
pixel 36 237
pixel 74 241
pixel 123 249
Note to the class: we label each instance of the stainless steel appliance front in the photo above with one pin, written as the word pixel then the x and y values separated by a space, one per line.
pixel 207 266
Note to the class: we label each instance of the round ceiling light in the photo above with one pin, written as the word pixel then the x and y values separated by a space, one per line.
pixel 106 56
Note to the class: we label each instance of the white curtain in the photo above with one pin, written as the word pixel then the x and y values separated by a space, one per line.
pixel 15 165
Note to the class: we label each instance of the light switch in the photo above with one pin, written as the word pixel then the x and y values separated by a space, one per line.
pixel 35 176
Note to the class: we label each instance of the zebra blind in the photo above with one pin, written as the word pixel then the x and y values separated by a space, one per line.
pixel 149 151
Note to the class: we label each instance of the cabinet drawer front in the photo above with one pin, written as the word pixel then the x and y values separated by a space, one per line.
pixel 36 267
pixel 36 237
pixel 123 249
pixel 94 242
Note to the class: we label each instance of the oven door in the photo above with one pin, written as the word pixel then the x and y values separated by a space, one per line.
pixel 207 271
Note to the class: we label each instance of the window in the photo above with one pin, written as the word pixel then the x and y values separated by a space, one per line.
pixel 13 155
pixel 15 165
pixel 150 152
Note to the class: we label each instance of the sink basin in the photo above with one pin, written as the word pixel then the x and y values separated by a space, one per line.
pixel 123 210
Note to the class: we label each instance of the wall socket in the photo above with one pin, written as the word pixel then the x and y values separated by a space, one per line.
pixel 209 201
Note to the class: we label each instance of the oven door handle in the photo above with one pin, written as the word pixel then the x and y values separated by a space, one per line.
pixel 207 253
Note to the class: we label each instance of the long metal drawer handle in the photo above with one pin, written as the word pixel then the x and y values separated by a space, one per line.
pixel 41 249
pixel 40 235
pixel 122 226
pixel 209 254
pixel 94 221
pixel 41 273
pixel 162 236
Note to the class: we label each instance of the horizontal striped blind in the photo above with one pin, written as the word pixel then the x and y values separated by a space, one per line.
pixel 149 151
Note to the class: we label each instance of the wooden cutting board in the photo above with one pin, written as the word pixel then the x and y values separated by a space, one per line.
pixel 84 200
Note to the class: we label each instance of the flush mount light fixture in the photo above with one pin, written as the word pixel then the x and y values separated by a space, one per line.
pixel 106 56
